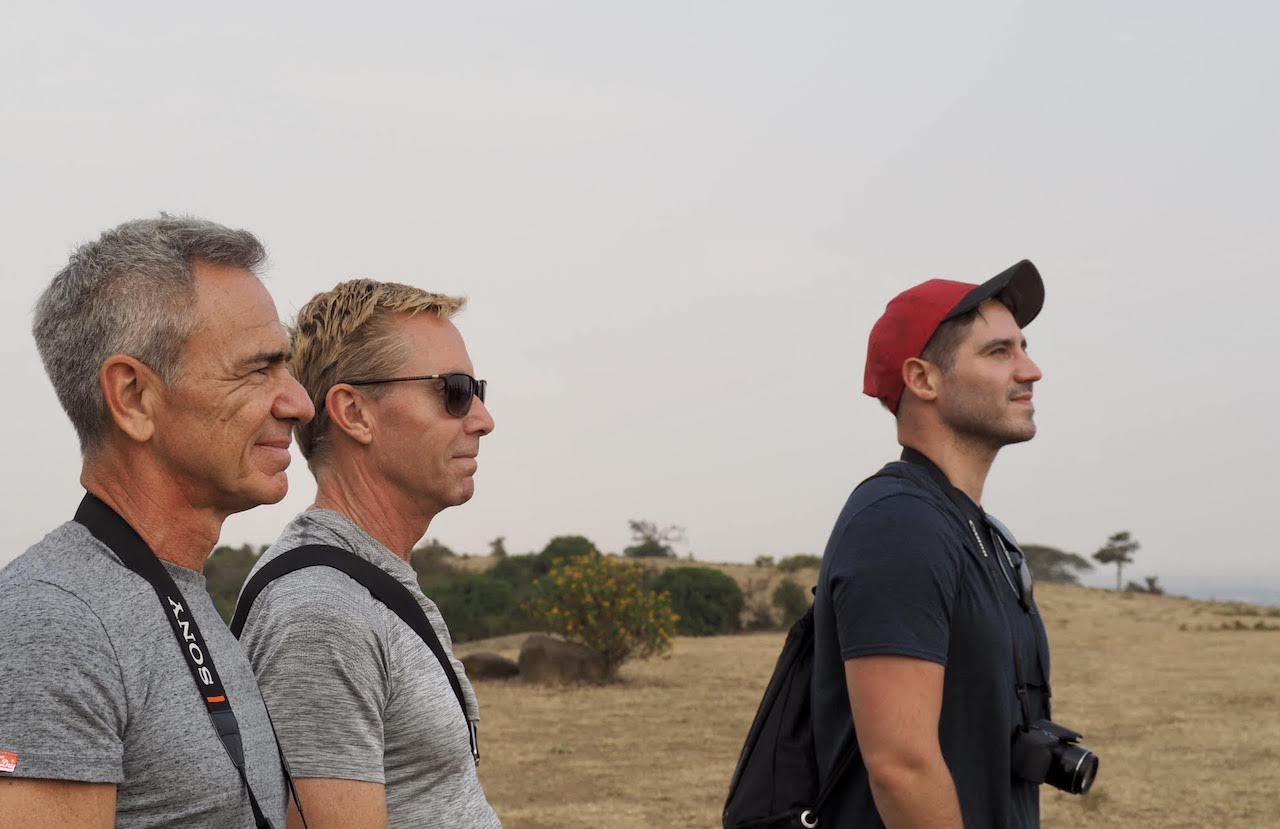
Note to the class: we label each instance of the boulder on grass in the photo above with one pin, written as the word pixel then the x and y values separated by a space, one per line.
pixel 485 665
pixel 547 659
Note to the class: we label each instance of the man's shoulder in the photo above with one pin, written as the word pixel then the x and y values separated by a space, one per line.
pixel 896 517
pixel 312 589
pixel 316 594
pixel 318 599
pixel 898 489
pixel 69 562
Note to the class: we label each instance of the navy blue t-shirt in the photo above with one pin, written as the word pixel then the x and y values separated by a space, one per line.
pixel 903 574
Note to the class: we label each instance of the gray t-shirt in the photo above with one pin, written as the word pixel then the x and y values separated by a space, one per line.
pixel 355 693
pixel 93 687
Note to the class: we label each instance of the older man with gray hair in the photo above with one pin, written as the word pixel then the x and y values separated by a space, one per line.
pixel 374 713
pixel 124 699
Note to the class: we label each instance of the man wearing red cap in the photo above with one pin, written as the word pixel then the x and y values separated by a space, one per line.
pixel 928 637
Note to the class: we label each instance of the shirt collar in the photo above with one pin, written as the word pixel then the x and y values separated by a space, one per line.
pixel 957 496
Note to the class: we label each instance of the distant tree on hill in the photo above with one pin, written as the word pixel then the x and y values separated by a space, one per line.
pixel 764 561
pixel 431 562
pixel 1152 586
pixel 1051 564
pixel 498 547
pixel 799 561
pixel 1119 551
pixel 653 541
pixel 433 547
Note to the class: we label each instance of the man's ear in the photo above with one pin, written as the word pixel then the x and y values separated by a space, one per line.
pixel 349 410
pixel 921 379
pixel 132 392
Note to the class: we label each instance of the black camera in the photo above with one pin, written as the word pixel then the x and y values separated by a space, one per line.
pixel 1047 753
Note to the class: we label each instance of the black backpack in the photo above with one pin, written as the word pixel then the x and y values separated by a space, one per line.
pixel 775 785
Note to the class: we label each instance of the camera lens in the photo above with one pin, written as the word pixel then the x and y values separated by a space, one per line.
pixel 1073 769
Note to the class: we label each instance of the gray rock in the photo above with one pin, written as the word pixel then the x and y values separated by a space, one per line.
pixel 485 665
pixel 547 659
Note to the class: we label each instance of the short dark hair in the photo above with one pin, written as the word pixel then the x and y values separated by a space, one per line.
pixel 941 348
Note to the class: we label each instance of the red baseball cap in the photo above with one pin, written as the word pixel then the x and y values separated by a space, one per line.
pixel 911 317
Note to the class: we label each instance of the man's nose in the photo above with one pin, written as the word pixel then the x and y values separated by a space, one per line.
pixel 478 421
pixel 1028 371
pixel 293 402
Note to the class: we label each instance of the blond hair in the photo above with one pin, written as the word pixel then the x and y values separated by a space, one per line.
pixel 347 333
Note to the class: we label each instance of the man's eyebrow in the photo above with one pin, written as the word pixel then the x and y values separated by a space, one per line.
pixel 1007 342
pixel 272 357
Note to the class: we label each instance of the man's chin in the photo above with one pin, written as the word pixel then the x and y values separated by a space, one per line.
pixel 268 489
pixel 464 491
pixel 1021 435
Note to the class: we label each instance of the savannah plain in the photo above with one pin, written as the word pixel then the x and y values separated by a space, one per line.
pixel 1180 699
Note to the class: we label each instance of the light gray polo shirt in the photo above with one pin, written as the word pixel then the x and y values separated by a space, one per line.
pixel 94 687
pixel 355 693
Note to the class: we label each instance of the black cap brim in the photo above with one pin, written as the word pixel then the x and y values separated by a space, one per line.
pixel 1020 286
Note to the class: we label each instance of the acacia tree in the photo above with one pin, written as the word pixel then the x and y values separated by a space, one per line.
pixel 1119 551
pixel 653 541
pixel 1051 564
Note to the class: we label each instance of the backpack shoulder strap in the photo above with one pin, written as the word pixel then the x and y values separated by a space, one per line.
pixel 381 585
pixel 849 750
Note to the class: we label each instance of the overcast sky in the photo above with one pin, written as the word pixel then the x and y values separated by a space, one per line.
pixel 676 223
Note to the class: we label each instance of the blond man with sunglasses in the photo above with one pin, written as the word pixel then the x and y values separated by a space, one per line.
pixel 378 721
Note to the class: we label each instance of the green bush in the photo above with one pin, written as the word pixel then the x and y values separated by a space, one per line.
pixel 479 606
pixel 605 605
pixel 707 601
pixel 520 570
pixel 792 601
pixel 566 546
pixel 799 561
pixel 224 575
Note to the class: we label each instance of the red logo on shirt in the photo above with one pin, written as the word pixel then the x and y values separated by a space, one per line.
pixel 8 761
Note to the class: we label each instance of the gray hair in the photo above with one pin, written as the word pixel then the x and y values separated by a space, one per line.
pixel 132 291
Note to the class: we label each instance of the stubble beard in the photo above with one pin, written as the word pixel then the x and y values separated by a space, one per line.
pixel 977 423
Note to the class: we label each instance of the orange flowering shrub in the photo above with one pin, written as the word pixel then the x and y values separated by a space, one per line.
pixel 604 604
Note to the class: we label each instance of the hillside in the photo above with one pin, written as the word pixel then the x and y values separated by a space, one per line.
pixel 1178 697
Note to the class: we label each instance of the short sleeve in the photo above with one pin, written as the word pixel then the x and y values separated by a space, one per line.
pixel 62 699
pixel 323 672
pixel 893 579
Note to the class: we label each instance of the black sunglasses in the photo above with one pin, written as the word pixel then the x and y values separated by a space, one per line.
pixel 459 388
pixel 1018 563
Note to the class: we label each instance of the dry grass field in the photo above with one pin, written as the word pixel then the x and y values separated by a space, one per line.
pixel 1184 714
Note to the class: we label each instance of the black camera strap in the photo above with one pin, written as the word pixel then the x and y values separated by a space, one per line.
pixel 989 560
pixel 112 530
pixel 1019 674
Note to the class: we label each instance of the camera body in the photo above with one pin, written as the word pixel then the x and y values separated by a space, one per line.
pixel 1046 752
